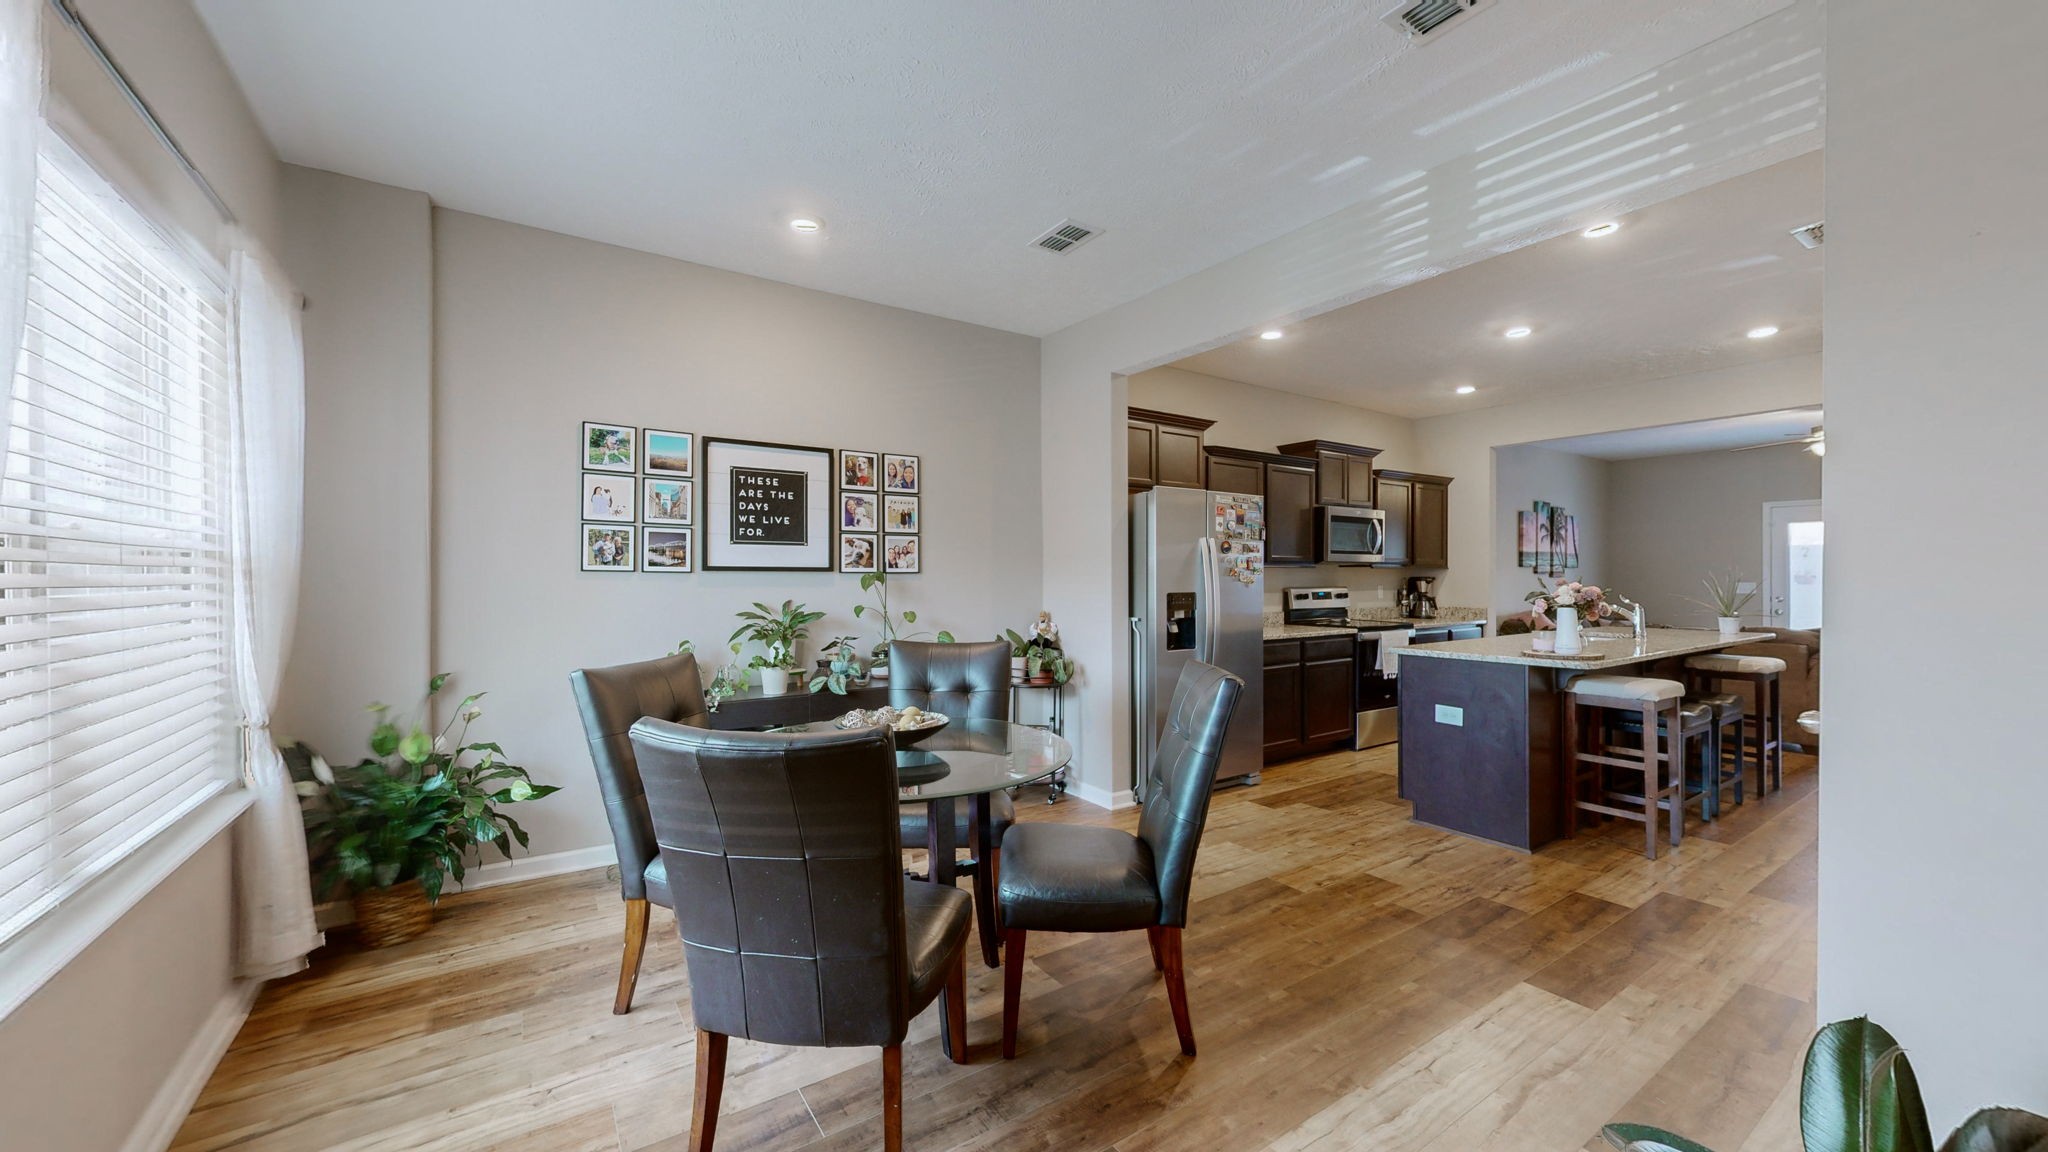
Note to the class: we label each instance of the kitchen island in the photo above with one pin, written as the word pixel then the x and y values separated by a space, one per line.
pixel 1480 724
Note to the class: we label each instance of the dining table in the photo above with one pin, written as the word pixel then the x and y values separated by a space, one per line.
pixel 968 760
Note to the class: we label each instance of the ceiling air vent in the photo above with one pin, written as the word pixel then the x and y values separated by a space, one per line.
pixel 1809 236
pixel 1065 235
pixel 1421 19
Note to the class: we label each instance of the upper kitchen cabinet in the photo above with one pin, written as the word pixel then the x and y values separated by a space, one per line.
pixel 1289 485
pixel 1166 449
pixel 1343 471
pixel 1418 509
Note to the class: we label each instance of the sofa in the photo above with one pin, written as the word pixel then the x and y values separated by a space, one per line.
pixel 1799 683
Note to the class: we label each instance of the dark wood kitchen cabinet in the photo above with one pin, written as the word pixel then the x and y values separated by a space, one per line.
pixel 1166 449
pixel 1289 485
pixel 1309 686
pixel 1343 471
pixel 1418 508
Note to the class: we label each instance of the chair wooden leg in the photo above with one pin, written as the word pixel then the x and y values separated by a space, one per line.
pixel 1013 987
pixel 892 1099
pixel 629 965
pixel 1152 939
pixel 954 1021
pixel 1177 987
pixel 1650 779
pixel 1676 744
pixel 710 1087
pixel 987 870
pixel 1572 747
pixel 1777 738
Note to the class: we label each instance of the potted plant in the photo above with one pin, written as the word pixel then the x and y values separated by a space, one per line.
pixel 838 667
pixel 1575 604
pixel 1857 1093
pixel 729 678
pixel 1037 658
pixel 878 583
pixel 1726 600
pixel 394 827
pixel 1047 666
pixel 1020 648
pixel 778 631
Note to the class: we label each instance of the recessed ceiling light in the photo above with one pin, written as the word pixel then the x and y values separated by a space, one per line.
pixel 1764 332
pixel 1604 228
pixel 806 225
pixel 1466 389
pixel 1517 332
pixel 1271 334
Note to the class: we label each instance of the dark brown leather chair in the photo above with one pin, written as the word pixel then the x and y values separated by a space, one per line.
pixel 960 681
pixel 1070 878
pixel 610 700
pixel 798 925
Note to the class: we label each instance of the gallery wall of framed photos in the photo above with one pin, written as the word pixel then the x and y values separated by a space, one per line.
pixel 766 507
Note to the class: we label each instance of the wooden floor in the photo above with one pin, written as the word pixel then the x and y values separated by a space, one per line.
pixel 1357 982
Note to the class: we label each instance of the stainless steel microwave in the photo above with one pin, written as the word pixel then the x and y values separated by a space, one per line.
pixel 1351 535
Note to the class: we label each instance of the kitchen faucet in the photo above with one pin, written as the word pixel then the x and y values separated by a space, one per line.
pixel 1638 618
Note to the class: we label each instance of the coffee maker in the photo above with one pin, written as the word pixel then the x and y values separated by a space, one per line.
pixel 1418 599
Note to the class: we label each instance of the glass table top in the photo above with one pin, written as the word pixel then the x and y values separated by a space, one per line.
pixel 971 756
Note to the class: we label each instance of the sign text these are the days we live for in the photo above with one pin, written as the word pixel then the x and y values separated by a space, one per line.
pixel 768 506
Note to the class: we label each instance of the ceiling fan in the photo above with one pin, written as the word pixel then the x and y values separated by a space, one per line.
pixel 1815 442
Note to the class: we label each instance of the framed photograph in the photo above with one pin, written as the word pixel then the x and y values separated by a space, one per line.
pixel 859 471
pixel 858 512
pixel 609 447
pixel 608 547
pixel 859 552
pixel 899 553
pixel 670 550
pixel 667 501
pixel 899 473
pixel 900 514
pixel 767 507
pixel 604 496
pixel 671 453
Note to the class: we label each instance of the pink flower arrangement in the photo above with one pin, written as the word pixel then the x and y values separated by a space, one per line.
pixel 1589 599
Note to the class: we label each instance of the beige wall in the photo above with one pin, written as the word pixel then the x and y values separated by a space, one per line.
pixel 85 1057
pixel 1524 474
pixel 536 332
pixel 1931 914
pixel 363 255
pixel 1672 519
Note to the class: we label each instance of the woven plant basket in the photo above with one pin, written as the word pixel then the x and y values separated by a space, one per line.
pixel 387 916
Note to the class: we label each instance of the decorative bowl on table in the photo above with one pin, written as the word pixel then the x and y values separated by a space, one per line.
pixel 910 724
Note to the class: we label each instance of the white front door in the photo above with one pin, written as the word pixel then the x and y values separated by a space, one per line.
pixel 1793 542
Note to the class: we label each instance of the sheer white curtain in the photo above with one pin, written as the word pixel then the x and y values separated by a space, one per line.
pixel 21 98
pixel 274 901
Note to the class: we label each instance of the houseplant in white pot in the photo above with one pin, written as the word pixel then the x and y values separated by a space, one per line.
pixel 1571 605
pixel 779 631
pixel 1726 600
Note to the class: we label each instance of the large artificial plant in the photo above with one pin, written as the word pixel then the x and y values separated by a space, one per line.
pixel 1857 1093
pixel 416 807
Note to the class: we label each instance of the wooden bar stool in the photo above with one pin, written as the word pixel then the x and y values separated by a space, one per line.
pixel 1701 751
pixel 1654 702
pixel 1763 729
pixel 1728 713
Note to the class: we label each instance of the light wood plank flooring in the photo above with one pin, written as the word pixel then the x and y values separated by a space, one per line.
pixel 1357 982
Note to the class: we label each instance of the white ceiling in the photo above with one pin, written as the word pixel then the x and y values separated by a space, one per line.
pixel 1785 427
pixel 1674 291
pixel 935 138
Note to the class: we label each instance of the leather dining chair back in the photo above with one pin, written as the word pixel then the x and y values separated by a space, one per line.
pixel 609 701
pixel 962 681
pixel 1183 773
pixel 796 921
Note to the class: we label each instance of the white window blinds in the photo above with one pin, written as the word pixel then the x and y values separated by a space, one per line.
pixel 115 714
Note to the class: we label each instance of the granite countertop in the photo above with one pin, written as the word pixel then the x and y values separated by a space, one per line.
pixel 1619 647
pixel 1444 617
pixel 1307 631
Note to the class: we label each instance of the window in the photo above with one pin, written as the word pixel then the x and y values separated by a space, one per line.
pixel 115 701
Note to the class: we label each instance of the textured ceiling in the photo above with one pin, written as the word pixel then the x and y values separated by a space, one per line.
pixel 935 138
pixel 1782 428
pixel 1674 291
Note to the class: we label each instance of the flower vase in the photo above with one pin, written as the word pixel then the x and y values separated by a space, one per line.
pixel 1570 641
pixel 1730 625
pixel 774 681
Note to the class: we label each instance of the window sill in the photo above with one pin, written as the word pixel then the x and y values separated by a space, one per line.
pixel 33 958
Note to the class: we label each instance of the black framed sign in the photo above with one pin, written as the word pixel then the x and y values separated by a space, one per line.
pixel 767 507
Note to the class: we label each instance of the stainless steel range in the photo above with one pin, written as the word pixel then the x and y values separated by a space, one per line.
pixel 1378 693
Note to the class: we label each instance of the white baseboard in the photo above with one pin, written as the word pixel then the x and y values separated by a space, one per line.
pixel 534 867
pixel 173 1101
pixel 1101 797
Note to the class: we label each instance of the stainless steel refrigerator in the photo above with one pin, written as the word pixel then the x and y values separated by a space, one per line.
pixel 1197 576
